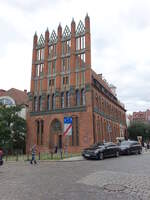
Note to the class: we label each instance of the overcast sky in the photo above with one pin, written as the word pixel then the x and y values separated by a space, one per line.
pixel 120 38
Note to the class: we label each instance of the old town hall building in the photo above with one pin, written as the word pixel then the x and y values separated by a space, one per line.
pixel 64 85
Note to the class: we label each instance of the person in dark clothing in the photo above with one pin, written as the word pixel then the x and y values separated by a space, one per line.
pixel 1 157
pixel 33 152
pixel 55 151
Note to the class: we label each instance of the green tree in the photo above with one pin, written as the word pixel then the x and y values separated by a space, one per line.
pixel 139 129
pixel 12 128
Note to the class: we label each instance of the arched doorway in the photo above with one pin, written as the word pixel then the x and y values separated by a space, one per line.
pixel 55 134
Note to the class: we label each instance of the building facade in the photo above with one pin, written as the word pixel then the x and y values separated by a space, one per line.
pixel 64 85
pixel 15 97
pixel 141 116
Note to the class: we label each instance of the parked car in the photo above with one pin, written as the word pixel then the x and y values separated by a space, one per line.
pixel 130 147
pixel 101 151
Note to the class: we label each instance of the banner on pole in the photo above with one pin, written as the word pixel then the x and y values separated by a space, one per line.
pixel 67 126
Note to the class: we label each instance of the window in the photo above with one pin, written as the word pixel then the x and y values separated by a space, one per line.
pixel 39 69
pixel 68 63
pixel 83 96
pixel 80 43
pixel 68 45
pixel 35 104
pixel 52 51
pixel 83 42
pixel 50 68
pixel 54 66
pixel 80 60
pixel 62 100
pixel 65 64
pixel 65 80
pixel 77 97
pixel 40 54
pixel 35 85
pixel 48 102
pixel 6 101
pixel 83 78
pixel 53 101
pixel 51 82
pixel 67 99
pixel 77 79
pixel 40 103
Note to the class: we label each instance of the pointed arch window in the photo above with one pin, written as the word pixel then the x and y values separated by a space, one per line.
pixel 53 101
pixel 83 96
pixel 62 100
pixel 77 97
pixel 67 99
pixel 40 103
pixel 35 104
pixel 48 102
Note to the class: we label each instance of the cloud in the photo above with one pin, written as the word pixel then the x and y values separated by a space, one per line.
pixel 120 39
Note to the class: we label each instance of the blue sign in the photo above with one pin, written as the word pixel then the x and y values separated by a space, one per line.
pixel 67 120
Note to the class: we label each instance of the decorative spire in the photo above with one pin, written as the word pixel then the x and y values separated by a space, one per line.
pixel 47 30
pixel 59 26
pixel 87 16
pixel 35 34
pixel 73 20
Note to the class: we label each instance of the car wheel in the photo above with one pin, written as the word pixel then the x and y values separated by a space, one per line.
pixel 117 154
pixel 128 152
pixel 101 156
pixel 139 151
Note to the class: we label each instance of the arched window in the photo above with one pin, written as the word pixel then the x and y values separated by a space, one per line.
pixel 48 102
pixel 62 100
pixel 77 97
pixel 83 96
pixel 53 101
pixel 67 99
pixel 35 104
pixel 40 103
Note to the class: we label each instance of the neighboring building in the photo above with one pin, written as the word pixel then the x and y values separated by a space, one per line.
pixel 128 119
pixel 141 116
pixel 64 85
pixel 15 97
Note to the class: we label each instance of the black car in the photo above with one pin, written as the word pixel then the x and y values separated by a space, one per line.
pixel 101 151
pixel 130 147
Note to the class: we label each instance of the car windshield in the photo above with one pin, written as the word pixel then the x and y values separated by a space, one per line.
pixel 96 145
pixel 126 143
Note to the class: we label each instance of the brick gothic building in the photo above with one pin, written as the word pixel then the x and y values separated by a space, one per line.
pixel 63 84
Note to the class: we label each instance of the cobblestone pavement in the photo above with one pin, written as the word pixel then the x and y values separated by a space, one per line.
pixel 124 178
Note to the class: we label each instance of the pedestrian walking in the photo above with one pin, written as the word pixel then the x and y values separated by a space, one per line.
pixel 33 152
pixel 1 157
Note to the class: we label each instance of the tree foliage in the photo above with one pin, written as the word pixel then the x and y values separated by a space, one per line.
pixel 12 128
pixel 139 129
